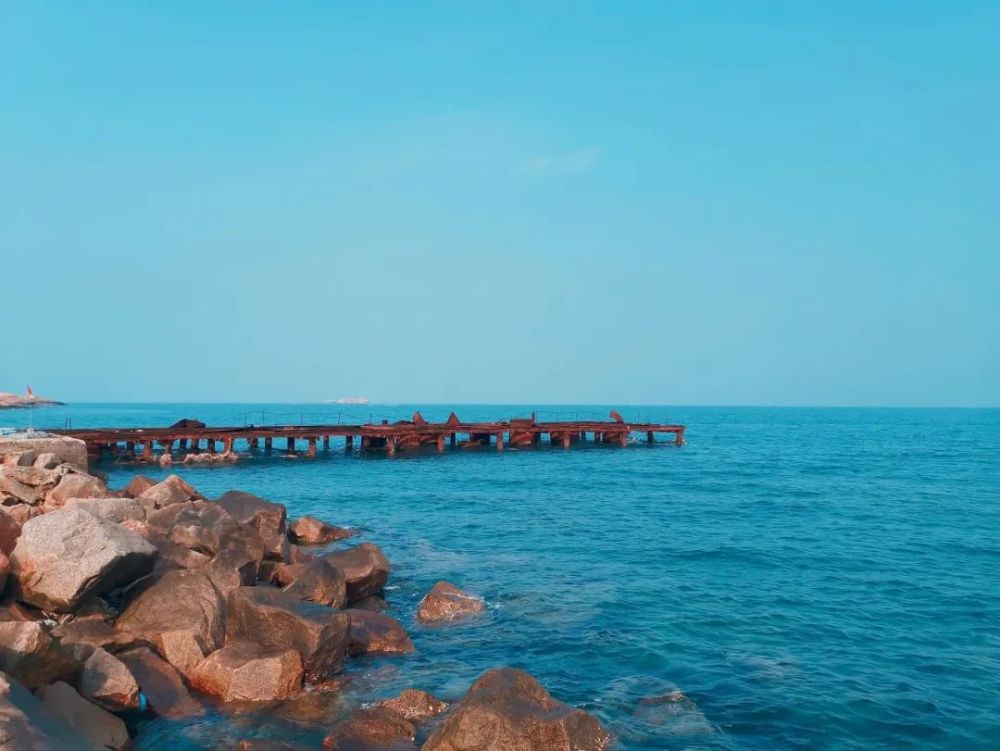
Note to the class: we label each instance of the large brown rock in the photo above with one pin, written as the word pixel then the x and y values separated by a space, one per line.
pixel 509 709
pixel 10 530
pixel 115 510
pixel 89 634
pixel 446 602
pixel 65 556
pixel 415 705
pixel 106 681
pixel 4 570
pixel 365 568
pixel 280 620
pixel 316 581
pixel 308 530
pixel 377 633
pixel 75 486
pixel 246 671
pixel 162 685
pixel 266 517
pixel 183 649
pixel 168 492
pixel 202 535
pixel 179 600
pixel 29 654
pixel 13 491
pixel 138 485
pixel 25 725
pixel 373 729
pixel 96 725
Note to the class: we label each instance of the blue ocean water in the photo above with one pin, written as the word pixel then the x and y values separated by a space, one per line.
pixel 807 578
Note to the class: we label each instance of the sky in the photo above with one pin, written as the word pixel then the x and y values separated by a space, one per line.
pixel 760 203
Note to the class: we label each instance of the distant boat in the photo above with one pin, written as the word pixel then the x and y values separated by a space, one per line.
pixel 347 400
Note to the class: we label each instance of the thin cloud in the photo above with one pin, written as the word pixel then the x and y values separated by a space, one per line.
pixel 569 164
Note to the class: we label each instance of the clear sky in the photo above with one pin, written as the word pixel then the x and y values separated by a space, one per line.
pixel 656 203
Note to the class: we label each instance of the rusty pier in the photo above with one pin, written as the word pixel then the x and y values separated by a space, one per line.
pixel 188 437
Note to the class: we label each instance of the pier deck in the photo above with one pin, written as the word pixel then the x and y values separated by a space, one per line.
pixel 149 444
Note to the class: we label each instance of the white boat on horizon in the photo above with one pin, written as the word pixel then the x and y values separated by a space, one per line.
pixel 348 400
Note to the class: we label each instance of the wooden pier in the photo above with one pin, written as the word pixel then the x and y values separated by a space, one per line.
pixel 191 438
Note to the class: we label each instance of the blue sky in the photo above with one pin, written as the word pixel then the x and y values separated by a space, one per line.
pixel 658 203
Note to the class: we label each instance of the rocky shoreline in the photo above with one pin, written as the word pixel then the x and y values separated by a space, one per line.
pixel 121 606
pixel 22 401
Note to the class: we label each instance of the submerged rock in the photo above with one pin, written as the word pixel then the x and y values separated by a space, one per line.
pixel 308 530
pixel 245 671
pixel 416 705
pixel 96 725
pixel 509 709
pixel 372 729
pixel 446 602
pixel 65 556
pixel 278 619
pixel 376 633
pixel 365 568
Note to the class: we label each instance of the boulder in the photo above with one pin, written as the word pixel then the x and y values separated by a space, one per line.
pixel 365 568
pixel 116 510
pixel 308 530
pixel 75 486
pixel 446 602
pixel 377 633
pixel 10 530
pixel 168 492
pixel 280 620
pixel 508 708
pixel 24 459
pixel 416 705
pixel 47 460
pixel 25 725
pixel 90 634
pixel 266 517
pixel 246 671
pixel 183 649
pixel 106 681
pixel 138 485
pixel 65 556
pixel 202 535
pixel 29 654
pixel 316 581
pixel 161 684
pixel 178 601
pixel 4 570
pixel 95 725
pixel 13 491
pixel 373 729
pixel 22 512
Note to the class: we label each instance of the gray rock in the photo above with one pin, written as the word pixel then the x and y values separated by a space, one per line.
pixel 64 556
pixel 114 510
pixel 25 725
pixel 96 725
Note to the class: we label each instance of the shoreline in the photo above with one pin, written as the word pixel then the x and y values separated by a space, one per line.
pixel 122 605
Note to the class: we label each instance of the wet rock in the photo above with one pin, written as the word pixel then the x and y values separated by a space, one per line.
pixel 509 709
pixel 246 671
pixel 266 517
pixel 138 485
pixel 75 486
pixel 308 530
pixel 259 744
pixel 376 633
pixel 365 568
pixel 202 535
pixel 115 510
pixel 96 725
pixel 106 681
pixel 416 705
pixel 29 654
pixel 446 602
pixel 65 556
pixel 25 725
pixel 10 530
pixel 179 600
pixel 161 684
pixel 277 619
pixel 372 729
pixel 168 492
pixel 317 582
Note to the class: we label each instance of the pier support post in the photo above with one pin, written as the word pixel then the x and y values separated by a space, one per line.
pixel 255 444
pixel 290 445
pixel 454 439
pixel 268 444
pixel 390 446
pixel 326 443
pixel 311 451
pixel 565 440
pixel 649 436
pixel 679 437
pixel 499 441
pixel 623 439
pixel 440 443
pixel 210 445
pixel 349 443
pixel 227 445
pixel 598 437
pixel 147 451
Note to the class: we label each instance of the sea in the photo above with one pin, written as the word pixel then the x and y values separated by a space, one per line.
pixel 788 579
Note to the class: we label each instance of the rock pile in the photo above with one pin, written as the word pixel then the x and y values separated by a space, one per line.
pixel 152 600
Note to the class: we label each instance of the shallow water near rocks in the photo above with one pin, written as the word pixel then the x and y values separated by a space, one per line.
pixel 806 578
